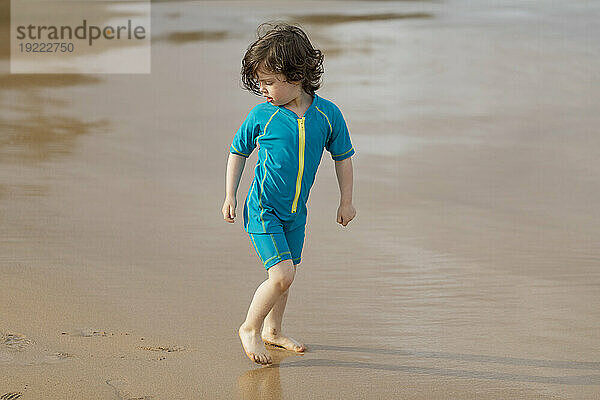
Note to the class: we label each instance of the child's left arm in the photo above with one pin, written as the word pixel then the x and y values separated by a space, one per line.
pixel 346 211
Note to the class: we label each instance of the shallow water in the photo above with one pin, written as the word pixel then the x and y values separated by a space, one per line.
pixel 471 270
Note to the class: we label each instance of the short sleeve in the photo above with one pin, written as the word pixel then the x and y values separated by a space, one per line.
pixel 339 144
pixel 244 140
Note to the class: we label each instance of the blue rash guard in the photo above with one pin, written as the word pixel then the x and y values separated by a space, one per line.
pixel 289 153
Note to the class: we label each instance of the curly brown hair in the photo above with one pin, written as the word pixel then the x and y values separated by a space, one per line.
pixel 284 49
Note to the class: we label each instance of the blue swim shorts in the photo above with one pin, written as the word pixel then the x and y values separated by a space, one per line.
pixel 273 248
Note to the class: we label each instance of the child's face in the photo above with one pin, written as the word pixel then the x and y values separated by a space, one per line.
pixel 276 89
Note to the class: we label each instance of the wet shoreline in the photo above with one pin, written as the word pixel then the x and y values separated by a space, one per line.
pixel 469 272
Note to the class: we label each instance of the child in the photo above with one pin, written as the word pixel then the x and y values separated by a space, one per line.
pixel 290 131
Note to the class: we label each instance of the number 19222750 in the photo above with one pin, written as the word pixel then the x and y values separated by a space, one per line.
pixel 48 47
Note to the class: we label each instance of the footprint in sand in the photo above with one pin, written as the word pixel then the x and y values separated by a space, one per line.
pixel 165 349
pixel 122 387
pixel 88 332
pixel 168 349
pixel 17 349
pixel 14 341
pixel 58 356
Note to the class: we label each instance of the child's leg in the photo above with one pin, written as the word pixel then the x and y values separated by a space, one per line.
pixel 271 332
pixel 280 278
pixel 272 324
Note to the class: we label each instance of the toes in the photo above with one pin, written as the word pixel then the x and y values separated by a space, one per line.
pixel 260 358
pixel 297 346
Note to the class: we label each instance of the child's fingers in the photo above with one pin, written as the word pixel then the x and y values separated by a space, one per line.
pixel 226 214
pixel 232 211
pixel 344 220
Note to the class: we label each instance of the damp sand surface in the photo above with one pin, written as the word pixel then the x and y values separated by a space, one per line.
pixel 470 271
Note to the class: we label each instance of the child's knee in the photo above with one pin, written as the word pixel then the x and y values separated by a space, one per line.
pixel 282 274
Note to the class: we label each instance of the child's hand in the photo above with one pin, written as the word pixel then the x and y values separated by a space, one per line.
pixel 345 213
pixel 229 209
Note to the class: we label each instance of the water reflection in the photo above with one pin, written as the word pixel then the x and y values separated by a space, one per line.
pixel 186 37
pixel 41 137
pixel 33 130
pixel 264 382
pixel 327 19
pixel 37 81
pixel 33 126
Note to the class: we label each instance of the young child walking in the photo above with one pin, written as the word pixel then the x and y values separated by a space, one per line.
pixel 290 131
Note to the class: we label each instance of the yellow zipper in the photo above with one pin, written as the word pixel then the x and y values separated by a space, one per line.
pixel 300 162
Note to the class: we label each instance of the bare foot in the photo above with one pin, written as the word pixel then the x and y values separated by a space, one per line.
pixel 284 341
pixel 253 346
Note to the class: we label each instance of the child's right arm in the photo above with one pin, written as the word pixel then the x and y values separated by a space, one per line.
pixel 235 167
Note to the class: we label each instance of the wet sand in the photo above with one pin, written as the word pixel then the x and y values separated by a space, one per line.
pixel 471 270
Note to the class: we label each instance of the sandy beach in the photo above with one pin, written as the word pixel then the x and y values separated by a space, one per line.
pixel 472 269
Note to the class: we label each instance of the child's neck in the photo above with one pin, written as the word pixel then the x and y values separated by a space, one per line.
pixel 300 104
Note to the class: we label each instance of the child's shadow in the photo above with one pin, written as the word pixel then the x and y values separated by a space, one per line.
pixel 520 362
pixel 264 383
